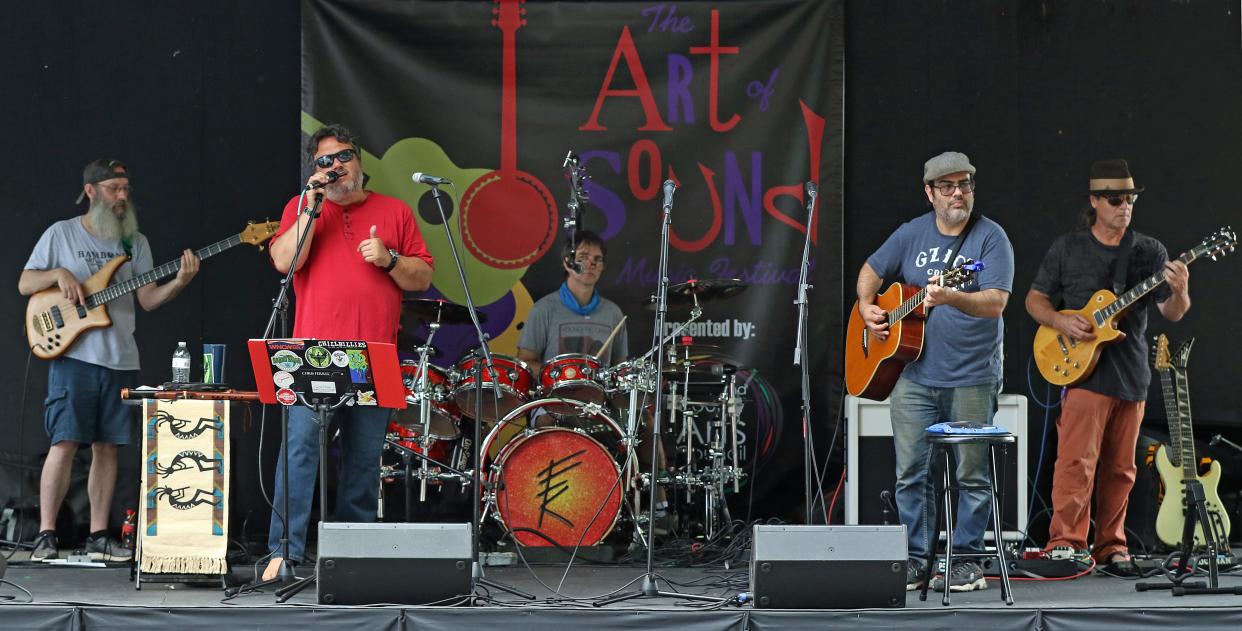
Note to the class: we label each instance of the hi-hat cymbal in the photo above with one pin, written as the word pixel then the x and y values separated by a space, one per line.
pixel 685 294
pixel 435 310
pixel 411 342
pixel 692 350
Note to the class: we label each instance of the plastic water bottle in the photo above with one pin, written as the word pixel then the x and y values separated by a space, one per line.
pixel 181 364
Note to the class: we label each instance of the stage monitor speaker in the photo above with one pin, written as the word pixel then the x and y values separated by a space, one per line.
pixel 828 567
pixel 408 564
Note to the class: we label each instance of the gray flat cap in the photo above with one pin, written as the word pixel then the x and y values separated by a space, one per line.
pixel 946 163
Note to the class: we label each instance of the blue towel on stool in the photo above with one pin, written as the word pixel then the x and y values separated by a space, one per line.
pixel 960 428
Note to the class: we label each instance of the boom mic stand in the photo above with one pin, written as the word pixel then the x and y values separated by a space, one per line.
pixel 280 308
pixel 476 570
pixel 649 587
pixel 800 357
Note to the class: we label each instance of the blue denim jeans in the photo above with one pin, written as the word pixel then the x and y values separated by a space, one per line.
pixel 357 493
pixel 912 409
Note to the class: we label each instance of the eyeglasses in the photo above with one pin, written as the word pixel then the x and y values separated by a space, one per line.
pixel 325 161
pixel 946 188
pixel 593 260
pixel 115 189
pixel 1115 200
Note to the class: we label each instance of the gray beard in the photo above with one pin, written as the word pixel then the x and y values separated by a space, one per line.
pixel 955 216
pixel 338 192
pixel 107 225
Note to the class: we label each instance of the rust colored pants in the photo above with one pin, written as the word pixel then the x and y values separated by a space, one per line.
pixel 1097 435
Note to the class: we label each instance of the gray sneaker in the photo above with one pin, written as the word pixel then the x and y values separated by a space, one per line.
pixel 914 575
pixel 45 546
pixel 105 548
pixel 964 576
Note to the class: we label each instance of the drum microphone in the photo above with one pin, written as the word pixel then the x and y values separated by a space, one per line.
pixel 430 180
pixel 332 177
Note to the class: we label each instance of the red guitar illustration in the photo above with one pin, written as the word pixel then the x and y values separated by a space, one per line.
pixel 508 217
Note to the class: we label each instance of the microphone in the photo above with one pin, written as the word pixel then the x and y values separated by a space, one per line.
pixel 430 180
pixel 669 187
pixel 573 264
pixel 811 189
pixel 332 177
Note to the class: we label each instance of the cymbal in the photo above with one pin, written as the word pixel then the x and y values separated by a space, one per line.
pixel 684 294
pixel 410 342
pixel 681 350
pixel 435 310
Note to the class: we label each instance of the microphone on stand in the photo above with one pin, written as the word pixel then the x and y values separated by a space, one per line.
pixel 669 187
pixel 430 180
pixel 332 177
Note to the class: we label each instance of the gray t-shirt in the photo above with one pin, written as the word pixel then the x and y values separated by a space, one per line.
pixel 552 329
pixel 958 349
pixel 69 245
pixel 1077 266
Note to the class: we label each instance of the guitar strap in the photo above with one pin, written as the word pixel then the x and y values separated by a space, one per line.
pixel 961 238
pixel 128 244
pixel 1122 264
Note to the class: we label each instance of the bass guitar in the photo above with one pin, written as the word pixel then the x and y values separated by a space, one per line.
pixel 53 323
pixel 872 365
pixel 1176 462
pixel 1066 362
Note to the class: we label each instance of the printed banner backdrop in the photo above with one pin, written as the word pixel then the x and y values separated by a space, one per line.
pixel 740 103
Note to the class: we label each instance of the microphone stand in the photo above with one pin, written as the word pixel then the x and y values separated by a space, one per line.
pixel 280 308
pixel 800 355
pixel 476 569
pixel 649 588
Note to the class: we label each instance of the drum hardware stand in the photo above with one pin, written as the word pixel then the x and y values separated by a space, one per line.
pixel 800 356
pixel 649 588
pixel 424 416
pixel 280 309
pixel 476 569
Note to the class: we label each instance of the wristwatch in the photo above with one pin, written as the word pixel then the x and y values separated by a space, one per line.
pixel 392 263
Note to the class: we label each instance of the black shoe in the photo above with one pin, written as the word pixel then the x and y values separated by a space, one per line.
pixel 964 576
pixel 914 575
pixel 101 547
pixel 45 546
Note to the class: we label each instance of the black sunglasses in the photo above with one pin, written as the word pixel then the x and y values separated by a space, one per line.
pixel 325 161
pixel 1115 200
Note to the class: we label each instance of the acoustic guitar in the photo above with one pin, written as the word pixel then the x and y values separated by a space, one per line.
pixel 1066 362
pixel 872 365
pixel 1176 462
pixel 53 323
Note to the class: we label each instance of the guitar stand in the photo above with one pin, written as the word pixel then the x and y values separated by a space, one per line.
pixel 1195 505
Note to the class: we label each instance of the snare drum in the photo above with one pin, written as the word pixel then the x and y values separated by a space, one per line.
pixel 444 415
pixel 556 486
pixel 512 376
pixel 572 376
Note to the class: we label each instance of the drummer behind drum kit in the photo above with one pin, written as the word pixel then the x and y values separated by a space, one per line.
pixel 557 466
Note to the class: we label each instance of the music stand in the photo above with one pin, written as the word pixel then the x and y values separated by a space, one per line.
pixel 324 375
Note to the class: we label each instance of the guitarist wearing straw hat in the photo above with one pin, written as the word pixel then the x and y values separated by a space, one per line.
pixel 83 406
pixel 1100 416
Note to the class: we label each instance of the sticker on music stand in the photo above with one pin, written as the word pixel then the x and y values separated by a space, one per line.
pixel 282 379
pixel 367 397
pixel 340 359
pixel 318 356
pixel 323 387
pixel 285 396
pixel 359 367
pixel 287 361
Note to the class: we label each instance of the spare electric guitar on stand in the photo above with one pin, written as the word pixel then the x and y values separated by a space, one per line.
pixel 1176 462
pixel 54 323
pixel 872 365
pixel 1065 362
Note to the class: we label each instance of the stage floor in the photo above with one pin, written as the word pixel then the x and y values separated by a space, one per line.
pixel 555 586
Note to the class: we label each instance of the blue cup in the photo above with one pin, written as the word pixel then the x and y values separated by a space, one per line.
pixel 213 363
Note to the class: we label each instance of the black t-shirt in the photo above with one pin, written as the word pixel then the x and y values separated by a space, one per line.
pixel 1077 266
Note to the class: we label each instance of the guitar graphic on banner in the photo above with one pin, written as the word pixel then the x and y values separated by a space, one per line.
pixel 1176 462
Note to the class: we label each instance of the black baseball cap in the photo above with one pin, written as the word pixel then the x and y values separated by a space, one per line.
pixel 100 170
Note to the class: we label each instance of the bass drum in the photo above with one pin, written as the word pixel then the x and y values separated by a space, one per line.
pixel 556 485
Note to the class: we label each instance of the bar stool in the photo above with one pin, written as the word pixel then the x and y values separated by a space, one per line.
pixel 943 437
